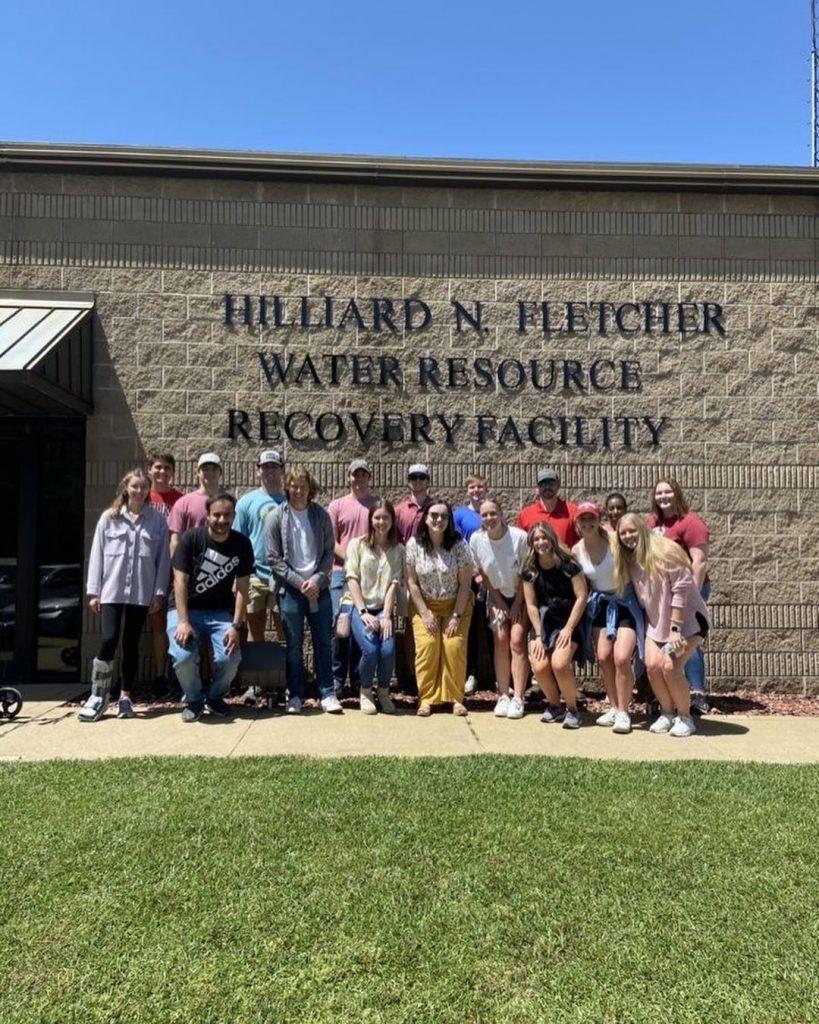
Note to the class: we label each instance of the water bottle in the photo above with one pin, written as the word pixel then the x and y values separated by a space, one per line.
pixel 669 650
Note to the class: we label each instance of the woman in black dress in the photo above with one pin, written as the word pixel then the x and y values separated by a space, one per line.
pixel 555 591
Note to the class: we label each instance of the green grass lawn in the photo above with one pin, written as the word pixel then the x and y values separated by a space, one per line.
pixel 473 889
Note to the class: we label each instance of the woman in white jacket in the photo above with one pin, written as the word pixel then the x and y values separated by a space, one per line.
pixel 128 574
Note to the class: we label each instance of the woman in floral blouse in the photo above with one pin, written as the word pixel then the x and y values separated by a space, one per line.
pixel 439 575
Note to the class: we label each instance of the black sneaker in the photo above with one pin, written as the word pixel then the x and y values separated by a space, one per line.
pixel 553 715
pixel 192 712
pixel 220 707
pixel 699 703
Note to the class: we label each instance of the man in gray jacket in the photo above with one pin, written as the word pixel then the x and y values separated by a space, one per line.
pixel 299 543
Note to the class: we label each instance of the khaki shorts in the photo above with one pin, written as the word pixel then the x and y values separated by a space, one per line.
pixel 260 597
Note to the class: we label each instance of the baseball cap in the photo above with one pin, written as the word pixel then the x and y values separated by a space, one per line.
pixel 418 469
pixel 270 456
pixel 588 508
pixel 547 475
pixel 208 458
pixel 357 464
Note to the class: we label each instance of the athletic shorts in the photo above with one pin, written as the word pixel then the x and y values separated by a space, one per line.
pixel 702 622
pixel 624 618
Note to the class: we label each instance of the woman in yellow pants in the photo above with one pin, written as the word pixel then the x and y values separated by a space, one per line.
pixel 439 575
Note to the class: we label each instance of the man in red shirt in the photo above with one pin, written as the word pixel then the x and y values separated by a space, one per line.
pixel 408 512
pixel 163 497
pixel 550 508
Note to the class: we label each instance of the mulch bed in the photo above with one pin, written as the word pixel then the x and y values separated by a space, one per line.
pixel 740 702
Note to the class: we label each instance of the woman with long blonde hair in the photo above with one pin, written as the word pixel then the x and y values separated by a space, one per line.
pixel 676 616
pixel 613 625
pixel 128 573
pixel 555 591
pixel 671 517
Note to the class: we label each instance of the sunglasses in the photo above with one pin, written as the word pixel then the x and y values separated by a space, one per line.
pixel 439 515
pixel 418 476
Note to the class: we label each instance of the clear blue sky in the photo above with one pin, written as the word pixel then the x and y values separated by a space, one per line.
pixel 698 81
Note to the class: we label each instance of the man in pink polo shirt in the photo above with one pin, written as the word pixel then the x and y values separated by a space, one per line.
pixel 349 516
pixel 190 512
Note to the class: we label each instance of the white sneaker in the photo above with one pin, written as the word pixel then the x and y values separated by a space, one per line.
pixel 662 724
pixel 366 703
pixel 607 719
pixel 502 707
pixel 470 686
pixel 293 706
pixel 683 726
pixel 516 708
pixel 332 705
pixel 622 722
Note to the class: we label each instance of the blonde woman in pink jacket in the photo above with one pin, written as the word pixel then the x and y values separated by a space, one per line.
pixel 676 616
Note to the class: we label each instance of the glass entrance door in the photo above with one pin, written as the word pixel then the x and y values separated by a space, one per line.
pixel 43 494
pixel 10 504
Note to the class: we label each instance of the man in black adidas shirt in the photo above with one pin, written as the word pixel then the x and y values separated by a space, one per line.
pixel 207 562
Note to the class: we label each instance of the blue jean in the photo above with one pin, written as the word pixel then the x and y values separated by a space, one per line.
pixel 213 625
pixel 695 666
pixel 346 654
pixel 377 654
pixel 295 608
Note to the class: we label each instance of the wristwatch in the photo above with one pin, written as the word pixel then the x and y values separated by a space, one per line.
pixel 456 615
pixel 237 626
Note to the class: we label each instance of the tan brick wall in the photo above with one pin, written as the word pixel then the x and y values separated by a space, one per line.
pixel 742 410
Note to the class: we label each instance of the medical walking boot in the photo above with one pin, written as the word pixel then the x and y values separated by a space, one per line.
pixel 96 705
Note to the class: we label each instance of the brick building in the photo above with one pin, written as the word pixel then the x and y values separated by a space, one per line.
pixel 619 322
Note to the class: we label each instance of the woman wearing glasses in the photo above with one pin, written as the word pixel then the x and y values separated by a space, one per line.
pixel 439 576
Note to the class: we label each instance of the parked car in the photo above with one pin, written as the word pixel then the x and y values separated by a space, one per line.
pixel 59 611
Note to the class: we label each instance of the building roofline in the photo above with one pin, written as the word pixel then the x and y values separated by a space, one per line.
pixel 69 158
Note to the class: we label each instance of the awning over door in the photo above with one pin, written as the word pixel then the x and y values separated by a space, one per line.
pixel 45 353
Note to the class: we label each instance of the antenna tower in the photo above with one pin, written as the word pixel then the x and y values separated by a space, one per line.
pixel 814 87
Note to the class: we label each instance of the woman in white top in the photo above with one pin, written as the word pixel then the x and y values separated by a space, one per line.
pixel 498 551
pixel 439 577
pixel 610 623
pixel 374 566
pixel 128 572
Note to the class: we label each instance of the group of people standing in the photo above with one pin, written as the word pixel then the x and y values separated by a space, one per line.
pixel 561 585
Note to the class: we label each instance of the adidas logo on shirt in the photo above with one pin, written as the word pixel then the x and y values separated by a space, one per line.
pixel 213 569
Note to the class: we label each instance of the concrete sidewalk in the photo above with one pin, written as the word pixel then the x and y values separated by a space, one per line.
pixel 47 728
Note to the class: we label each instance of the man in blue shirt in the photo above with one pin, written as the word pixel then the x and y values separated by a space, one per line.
pixel 251 511
pixel 468 517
